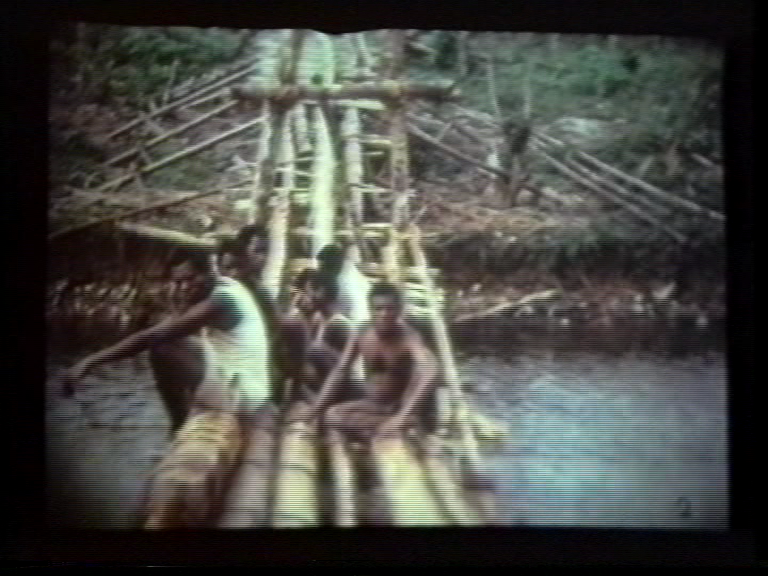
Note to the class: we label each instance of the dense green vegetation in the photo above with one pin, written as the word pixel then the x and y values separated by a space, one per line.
pixel 129 65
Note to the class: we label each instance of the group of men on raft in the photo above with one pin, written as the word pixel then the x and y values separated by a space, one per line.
pixel 219 351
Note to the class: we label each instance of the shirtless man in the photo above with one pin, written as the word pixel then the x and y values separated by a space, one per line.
pixel 328 332
pixel 402 371
pixel 225 368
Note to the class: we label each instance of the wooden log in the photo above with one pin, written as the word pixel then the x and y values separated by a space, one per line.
pixel 364 90
pixel 345 508
pixel 248 498
pixel 184 100
pixel 180 239
pixel 445 487
pixel 185 488
pixel 296 493
pixel 322 201
pixel 407 494
pixel 274 268
pixel 659 193
pixel 612 197
pixel 163 137
pixel 353 161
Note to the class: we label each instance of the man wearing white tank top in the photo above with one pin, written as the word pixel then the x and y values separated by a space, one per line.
pixel 215 355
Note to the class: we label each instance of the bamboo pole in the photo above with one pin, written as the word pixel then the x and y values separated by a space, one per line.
pixel 132 213
pixel 441 122
pixel 301 128
pixel 659 193
pixel 406 492
pixel 274 268
pixel 364 58
pixel 262 170
pixel 326 52
pixel 455 153
pixel 181 154
pixel 182 101
pixel 183 489
pixel 248 498
pixel 621 191
pixel 296 502
pixel 384 89
pixel 492 96
pixel 612 197
pixel 445 487
pixel 174 237
pixel 345 512
pixel 204 80
pixel 353 166
pixel 445 353
pixel 163 137
pixel 322 204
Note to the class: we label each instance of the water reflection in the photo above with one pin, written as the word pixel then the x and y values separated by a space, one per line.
pixel 606 430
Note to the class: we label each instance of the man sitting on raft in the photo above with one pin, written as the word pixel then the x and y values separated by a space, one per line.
pixel 402 373
pixel 327 333
pixel 225 367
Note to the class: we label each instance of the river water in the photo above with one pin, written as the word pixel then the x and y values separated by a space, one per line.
pixel 601 434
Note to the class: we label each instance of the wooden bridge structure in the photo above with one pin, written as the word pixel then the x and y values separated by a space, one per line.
pixel 313 181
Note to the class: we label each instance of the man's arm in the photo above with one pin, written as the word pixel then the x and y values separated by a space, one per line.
pixel 336 376
pixel 207 312
pixel 425 371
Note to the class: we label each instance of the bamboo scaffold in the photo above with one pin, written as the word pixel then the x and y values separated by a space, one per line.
pixel 275 473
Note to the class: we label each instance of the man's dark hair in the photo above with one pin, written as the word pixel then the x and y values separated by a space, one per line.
pixel 386 289
pixel 306 275
pixel 199 260
pixel 327 283
pixel 331 258
pixel 245 235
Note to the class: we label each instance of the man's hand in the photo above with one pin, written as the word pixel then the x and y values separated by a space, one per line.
pixel 73 376
pixel 392 427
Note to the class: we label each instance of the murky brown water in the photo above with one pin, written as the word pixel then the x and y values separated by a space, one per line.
pixel 628 438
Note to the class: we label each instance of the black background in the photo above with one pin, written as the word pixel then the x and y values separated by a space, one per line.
pixel 28 542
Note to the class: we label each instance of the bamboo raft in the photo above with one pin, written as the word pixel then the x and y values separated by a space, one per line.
pixel 313 188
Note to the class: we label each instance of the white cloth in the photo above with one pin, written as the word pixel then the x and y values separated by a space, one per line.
pixel 237 360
